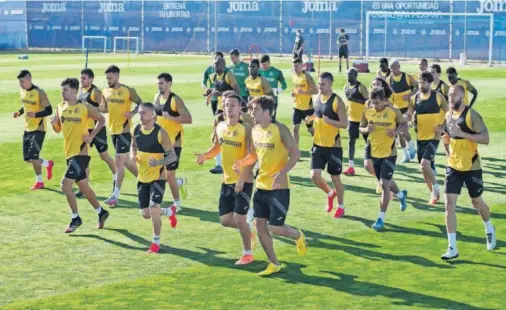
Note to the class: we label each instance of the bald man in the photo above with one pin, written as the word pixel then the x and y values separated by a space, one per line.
pixel 466 129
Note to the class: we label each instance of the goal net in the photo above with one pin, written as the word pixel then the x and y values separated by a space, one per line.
pixel 126 45
pixel 94 43
pixel 429 35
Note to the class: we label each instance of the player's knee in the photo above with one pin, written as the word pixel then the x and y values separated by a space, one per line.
pixel 384 183
pixel 277 230
pixel 425 165
pixel 28 161
pixel 477 203
pixel 226 221
pixel 238 220
pixel 315 175
pixel 146 213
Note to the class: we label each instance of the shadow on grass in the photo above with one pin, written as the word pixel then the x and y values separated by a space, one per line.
pixel 293 274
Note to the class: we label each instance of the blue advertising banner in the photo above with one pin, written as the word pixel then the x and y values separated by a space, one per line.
pixel 113 19
pixel 12 25
pixel 54 24
pixel 175 26
pixel 242 24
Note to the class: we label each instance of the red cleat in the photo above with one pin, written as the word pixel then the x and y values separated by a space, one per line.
pixel 154 248
pixel 339 213
pixel 49 170
pixel 37 185
pixel 172 218
pixel 349 172
pixel 245 259
pixel 330 201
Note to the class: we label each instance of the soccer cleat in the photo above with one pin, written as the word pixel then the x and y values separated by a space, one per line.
pixel 404 204
pixel 434 199
pixel 406 159
pixel 271 269
pixel 379 190
pixel 111 201
pixel 79 194
pixel 378 224
pixel 339 213
pixel 104 214
pixel 349 172
pixel 37 185
pixel 154 248
pixel 182 188
pixel 76 222
pixel 491 241
pixel 216 170
pixel 301 244
pixel 172 218
pixel 330 201
pixel 412 153
pixel 450 254
pixel 49 170
pixel 244 260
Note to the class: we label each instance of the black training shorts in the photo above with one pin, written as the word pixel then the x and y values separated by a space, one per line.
pixel 230 201
pixel 272 205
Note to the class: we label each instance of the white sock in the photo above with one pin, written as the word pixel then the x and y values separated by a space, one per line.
pixel 340 206
pixel 116 192
pixel 244 252
pixel 488 226
pixel 45 163
pixel 166 211
pixel 179 181
pixel 400 195
pixel 218 160
pixel 74 215
pixel 406 151
pixel 331 193
pixel 98 210
pixel 452 240
pixel 114 177
pixel 156 239
pixel 352 164
pixel 435 188
pixel 411 145
pixel 38 178
pixel 382 216
pixel 177 202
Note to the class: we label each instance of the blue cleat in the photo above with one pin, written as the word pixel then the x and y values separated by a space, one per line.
pixel 404 205
pixel 412 153
pixel 378 224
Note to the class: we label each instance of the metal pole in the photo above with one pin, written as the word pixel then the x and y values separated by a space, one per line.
pixel 86 62
pixel 208 25
pixel 366 36
pixel 450 39
pixel 465 27
pixel 491 40
pixel 280 27
pixel 330 40
pixel 361 28
pixel 142 26
pixel 215 25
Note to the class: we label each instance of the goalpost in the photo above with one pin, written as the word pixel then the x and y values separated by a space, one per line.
pixel 127 40
pixel 385 17
pixel 90 38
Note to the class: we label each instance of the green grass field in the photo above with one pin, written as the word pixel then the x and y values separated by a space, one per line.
pixel 348 265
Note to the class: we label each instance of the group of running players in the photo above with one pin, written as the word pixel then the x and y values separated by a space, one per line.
pixel 251 147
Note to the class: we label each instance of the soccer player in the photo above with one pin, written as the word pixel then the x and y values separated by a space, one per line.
pixel 117 101
pixel 438 85
pixel 233 140
pixel 383 123
pixel 72 117
pixel 423 65
pixel 303 88
pixel 276 153
pixel 240 71
pixel 427 106
pixel 275 77
pixel 171 115
pixel 384 69
pixel 356 95
pixel 222 80
pixel 256 84
pixel 329 117
pixel 36 107
pixel 152 150
pixel 454 79
pixel 342 41
pixel 403 86
pixel 466 129
pixel 298 45
pixel 207 79
pixel 90 94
